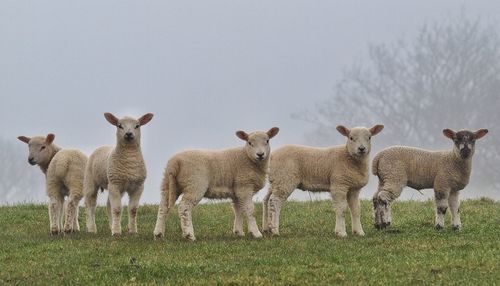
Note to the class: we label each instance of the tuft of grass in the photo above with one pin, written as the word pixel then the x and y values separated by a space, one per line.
pixel 307 252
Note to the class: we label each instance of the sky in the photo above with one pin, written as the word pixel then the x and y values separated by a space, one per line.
pixel 204 68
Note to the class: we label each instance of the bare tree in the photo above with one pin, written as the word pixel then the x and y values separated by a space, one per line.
pixel 447 77
pixel 19 182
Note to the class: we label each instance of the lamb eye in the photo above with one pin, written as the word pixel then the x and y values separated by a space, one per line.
pixel 249 143
pixel 369 138
pixel 352 139
pixel 267 141
pixel 137 126
pixel 120 126
pixel 43 147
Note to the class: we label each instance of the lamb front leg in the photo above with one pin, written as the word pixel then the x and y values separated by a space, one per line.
pixel 238 218
pixel 133 205
pixel 454 203
pixel 244 197
pixel 339 197
pixel 441 197
pixel 354 206
pixel 115 201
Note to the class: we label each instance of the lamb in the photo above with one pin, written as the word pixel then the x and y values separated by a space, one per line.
pixel 340 170
pixel 447 172
pixel 118 169
pixel 236 173
pixel 64 171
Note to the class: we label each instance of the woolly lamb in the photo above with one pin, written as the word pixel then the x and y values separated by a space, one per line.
pixel 63 171
pixel 236 173
pixel 447 172
pixel 119 169
pixel 340 170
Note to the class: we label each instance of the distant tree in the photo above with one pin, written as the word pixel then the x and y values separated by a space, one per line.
pixel 18 180
pixel 447 77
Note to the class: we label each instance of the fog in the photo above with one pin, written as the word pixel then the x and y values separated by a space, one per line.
pixel 204 68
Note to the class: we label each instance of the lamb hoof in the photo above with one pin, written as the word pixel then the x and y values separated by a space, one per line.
pixel 190 237
pixel 438 227
pixel 238 233
pixel 117 234
pixel 341 234
pixel 91 231
pixel 69 231
pixel 132 232
pixel 456 227
pixel 382 226
pixel 275 232
pixel 158 235
pixel 257 234
pixel 54 232
pixel 359 233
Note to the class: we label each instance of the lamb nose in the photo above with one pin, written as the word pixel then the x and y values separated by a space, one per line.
pixel 260 154
pixel 128 134
pixel 362 148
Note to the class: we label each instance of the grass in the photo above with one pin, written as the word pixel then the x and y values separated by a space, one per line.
pixel 306 252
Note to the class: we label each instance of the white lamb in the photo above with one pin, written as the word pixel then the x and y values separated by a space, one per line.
pixel 447 172
pixel 236 173
pixel 341 170
pixel 63 169
pixel 118 169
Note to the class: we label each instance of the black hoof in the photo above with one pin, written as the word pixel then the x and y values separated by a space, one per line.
pixel 382 226
pixel 438 227
pixel 455 228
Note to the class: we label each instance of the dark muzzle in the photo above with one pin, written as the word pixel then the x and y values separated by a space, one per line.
pixel 465 153
pixel 129 136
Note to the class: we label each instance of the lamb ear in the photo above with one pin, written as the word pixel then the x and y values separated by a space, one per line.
pixel 24 139
pixel 480 133
pixel 50 138
pixel 111 118
pixel 242 135
pixel 376 129
pixel 449 133
pixel 343 130
pixel 272 132
pixel 145 118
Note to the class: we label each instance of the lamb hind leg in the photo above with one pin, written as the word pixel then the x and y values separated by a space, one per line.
pixel 163 211
pixel 382 200
pixel 90 207
pixel 55 209
pixel 71 213
pixel 76 224
pixel 265 212
pixel 279 194
pixel 188 201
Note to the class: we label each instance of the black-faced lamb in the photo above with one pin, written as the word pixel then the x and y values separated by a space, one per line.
pixel 447 172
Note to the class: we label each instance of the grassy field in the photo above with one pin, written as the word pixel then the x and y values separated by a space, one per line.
pixel 306 252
